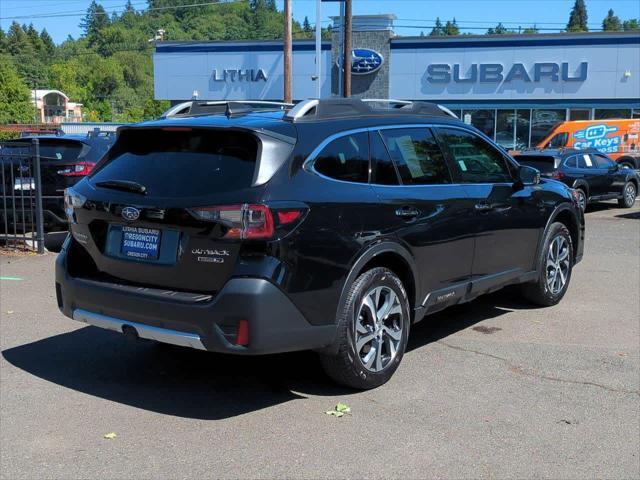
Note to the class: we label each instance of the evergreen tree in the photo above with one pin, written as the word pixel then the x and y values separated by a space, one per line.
pixel 94 21
pixel 438 29
pixel 611 22
pixel 631 25
pixel 451 28
pixel 578 18
pixel 306 26
pixel 47 42
pixel 500 29
pixel 3 41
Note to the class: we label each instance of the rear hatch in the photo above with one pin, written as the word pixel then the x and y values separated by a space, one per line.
pixel 172 207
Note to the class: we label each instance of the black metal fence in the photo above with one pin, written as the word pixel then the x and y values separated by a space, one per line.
pixel 21 217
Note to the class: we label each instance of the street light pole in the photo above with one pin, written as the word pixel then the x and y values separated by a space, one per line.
pixel 287 52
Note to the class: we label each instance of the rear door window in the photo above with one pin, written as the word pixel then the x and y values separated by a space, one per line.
pixel 585 161
pixel 477 160
pixel 345 158
pixel 571 162
pixel 181 163
pixel 417 156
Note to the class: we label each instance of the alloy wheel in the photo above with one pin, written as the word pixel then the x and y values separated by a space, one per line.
pixel 582 200
pixel 630 194
pixel 379 324
pixel 558 263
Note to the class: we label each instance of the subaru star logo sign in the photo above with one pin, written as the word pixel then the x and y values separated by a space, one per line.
pixel 364 61
pixel 130 213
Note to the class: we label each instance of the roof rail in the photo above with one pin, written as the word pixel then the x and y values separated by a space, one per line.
pixel 227 107
pixel 330 108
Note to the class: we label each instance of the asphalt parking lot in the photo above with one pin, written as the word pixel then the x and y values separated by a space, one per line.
pixel 491 389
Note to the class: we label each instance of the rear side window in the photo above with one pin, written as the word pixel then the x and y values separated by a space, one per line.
pixel 383 170
pixel 345 158
pixel 181 163
pixel 542 163
pixel 476 159
pixel 417 156
pixel 571 162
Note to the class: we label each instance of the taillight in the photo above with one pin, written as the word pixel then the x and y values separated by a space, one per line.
pixel 80 169
pixel 251 222
pixel 557 174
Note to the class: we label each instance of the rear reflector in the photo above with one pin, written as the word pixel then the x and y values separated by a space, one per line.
pixel 288 216
pixel 242 338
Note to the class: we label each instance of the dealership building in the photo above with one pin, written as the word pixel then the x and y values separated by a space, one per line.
pixel 512 87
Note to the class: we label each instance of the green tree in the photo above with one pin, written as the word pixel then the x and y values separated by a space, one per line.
pixel 631 25
pixel 438 29
pixel 3 41
pixel 578 18
pixel 15 99
pixel 499 29
pixel 306 26
pixel 611 22
pixel 531 30
pixel 47 42
pixel 94 21
pixel 451 28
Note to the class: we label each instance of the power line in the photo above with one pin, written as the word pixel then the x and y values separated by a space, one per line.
pixel 78 13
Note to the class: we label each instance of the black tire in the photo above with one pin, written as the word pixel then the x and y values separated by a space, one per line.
pixel 629 194
pixel 346 367
pixel 539 292
pixel 582 198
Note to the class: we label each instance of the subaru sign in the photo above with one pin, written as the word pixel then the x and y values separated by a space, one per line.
pixel 498 73
pixel 365 61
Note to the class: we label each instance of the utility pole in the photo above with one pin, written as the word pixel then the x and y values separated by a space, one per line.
pixel 288 87
pixel 346 59
pixel 318 48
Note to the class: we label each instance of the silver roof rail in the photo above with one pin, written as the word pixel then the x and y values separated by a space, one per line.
pixel 302 108
pixel 447 111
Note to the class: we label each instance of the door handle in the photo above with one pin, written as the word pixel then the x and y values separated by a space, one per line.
pixel 484 207
pixel 407 212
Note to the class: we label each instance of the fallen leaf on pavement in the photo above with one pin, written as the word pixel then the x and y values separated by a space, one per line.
pixel 339 410
pixel 110 436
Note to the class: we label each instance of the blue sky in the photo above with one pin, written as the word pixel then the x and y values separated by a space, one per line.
pixel 413 15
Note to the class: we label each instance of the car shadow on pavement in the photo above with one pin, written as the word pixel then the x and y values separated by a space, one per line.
pixel 203 385
pixel 631 216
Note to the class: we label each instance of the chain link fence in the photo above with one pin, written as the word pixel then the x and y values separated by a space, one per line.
pixel 21 215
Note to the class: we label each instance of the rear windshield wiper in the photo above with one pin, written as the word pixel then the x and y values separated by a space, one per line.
pixel 124 185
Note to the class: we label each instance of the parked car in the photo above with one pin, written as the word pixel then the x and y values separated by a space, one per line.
pixel 594 175
pixel 331 226
pixel 64 160
pixel 617 138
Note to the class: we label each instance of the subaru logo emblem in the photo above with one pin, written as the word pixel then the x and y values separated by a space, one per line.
pixel 130 213
pixel 364 60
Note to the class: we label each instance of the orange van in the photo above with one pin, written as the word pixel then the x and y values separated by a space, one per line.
pixel 618 138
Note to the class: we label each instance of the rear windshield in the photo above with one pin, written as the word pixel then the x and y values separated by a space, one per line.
pixel 181 163
pixel 62 150
pixel 544 164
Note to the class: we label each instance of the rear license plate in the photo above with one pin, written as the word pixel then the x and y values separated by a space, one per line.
pixel 24 183
pixel 141 243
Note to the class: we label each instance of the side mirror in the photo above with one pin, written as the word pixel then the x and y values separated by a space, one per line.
pixel 528 175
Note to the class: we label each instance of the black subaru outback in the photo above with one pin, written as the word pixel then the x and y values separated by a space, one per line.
pixel 331 226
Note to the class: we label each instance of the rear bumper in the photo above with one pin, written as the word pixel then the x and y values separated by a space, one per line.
pixel 197 321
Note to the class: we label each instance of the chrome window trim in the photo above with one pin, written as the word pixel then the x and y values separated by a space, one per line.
pixel 308 166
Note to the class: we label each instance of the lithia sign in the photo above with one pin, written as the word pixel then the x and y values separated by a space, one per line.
pixel 239 75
